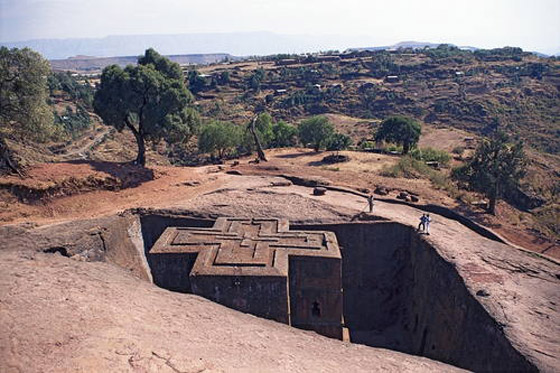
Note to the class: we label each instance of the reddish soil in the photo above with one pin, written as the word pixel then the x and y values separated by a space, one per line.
pixel 90 189
pixel 128 186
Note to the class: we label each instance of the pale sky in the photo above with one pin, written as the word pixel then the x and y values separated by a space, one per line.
pixel 531 24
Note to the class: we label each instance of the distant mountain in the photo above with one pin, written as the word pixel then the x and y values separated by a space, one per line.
pixel 409 44
pixel 414 45
pixel 235 43
pixel 95 64
pixel 238 43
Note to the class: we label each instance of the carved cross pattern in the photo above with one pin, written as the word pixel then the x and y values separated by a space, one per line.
pixel 256 266
pixel 245 243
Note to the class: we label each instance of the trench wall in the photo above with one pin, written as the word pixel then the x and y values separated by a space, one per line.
pixel 399 293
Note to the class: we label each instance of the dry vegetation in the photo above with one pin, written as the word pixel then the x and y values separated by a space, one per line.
pixel 516 94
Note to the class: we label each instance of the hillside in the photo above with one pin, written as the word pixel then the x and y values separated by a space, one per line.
pixel 83 287
pixel 474 91
pixel 459 95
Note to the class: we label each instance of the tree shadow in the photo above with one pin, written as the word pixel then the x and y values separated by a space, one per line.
pixel 128 174
pixel 478 214
pixel 332 159
pixel 316 163
pixel 298 155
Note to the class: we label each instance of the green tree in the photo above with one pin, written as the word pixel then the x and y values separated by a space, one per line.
pixel 65 82
pixel 151 103
pixel 162 64
pixel 399 130
pixel 284 134
pixel 255 79
pixel 263 128
pixel 338 142
pixel 24 111
pixel 315 131
pixel 224 78
pixel 196 82
pixel 263 131
pixel 73 122
pixel 496 167
pixel 219 138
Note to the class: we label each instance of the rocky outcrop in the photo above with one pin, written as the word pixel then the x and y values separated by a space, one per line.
pixel 455 297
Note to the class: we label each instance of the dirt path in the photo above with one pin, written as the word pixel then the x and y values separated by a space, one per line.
pixel 78 152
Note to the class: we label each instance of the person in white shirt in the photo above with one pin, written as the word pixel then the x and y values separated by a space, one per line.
pixel 427 222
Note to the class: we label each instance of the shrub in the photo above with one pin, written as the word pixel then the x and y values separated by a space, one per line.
pixel 219 137
pixel 406 167
pixel 394 148
pixel 285 135
pixel 411 168
pixel 367 145
pixel 458 150
pixel 337 142
pixel 73 123
pixel 431 155
pixel 315 131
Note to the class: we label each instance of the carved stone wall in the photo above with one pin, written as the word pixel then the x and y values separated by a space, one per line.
pixel 256 266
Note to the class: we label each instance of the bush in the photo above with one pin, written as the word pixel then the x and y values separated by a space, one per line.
pixel 459 150
pixel 406 167
pixel 219 137
pixel 394 148
pixel 73 123
pixel 337 142
pixel 285 135
pixel 431 155
pixel 411 168
pixel 367 145
pixel 315 131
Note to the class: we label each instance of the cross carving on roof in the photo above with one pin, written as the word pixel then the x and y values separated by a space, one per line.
pixel 257 243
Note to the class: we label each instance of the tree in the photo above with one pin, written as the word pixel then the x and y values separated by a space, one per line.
pixel 338 142
pixel 220 137
pixel 162 64
pixel 254 81
pixel 196 82
pixel 399 130
pixel 263 127
pixel 260 128
pixel 24 112
pixel 150 99
pixel 496 167
pixel 315 131
pixel 284 135
pixel 65 82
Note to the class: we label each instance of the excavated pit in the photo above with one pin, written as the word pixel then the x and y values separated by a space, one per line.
pixel 399 294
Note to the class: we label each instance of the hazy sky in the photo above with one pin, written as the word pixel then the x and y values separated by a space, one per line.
pixel 530 24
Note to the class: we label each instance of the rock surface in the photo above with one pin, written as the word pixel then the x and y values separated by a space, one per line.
pixel 59 314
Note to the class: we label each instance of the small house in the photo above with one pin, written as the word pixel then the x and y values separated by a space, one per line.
pixel 392 78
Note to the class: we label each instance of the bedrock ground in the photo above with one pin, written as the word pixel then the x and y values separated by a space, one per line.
pixel 107 314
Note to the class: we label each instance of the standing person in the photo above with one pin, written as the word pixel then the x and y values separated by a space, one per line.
pixel 422 223
pixel 427 224
pixel 370 203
